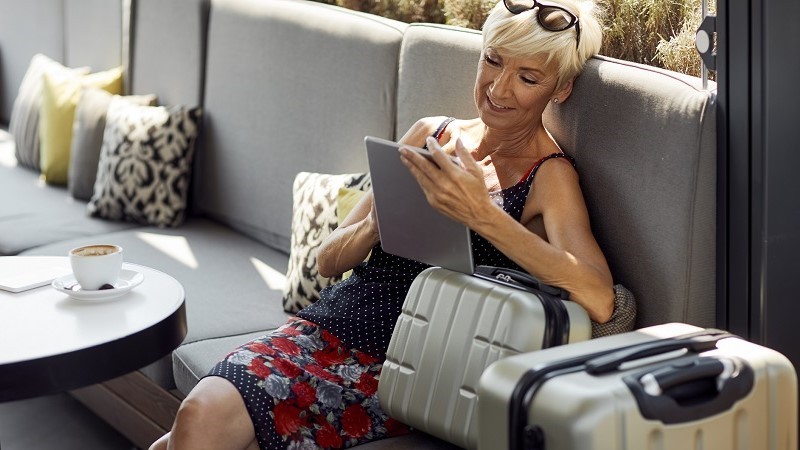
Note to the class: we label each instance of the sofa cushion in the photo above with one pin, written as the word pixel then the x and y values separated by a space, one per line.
pixel 60 97
pixel 26 28
pixel 431 45
pixel 24 123
pixel 314 217
pixel 191 362
pixel 335 69
pixel 87 138
pixel 167 50
pixel 38 214
pixel 145 163
pixel 650 184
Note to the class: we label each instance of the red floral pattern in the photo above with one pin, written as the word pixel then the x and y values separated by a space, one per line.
pixel 320 394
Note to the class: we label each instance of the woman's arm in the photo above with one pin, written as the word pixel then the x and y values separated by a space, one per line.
pixel 569 259
pixel 348 245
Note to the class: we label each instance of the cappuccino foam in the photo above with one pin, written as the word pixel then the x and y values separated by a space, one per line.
pixel 95 250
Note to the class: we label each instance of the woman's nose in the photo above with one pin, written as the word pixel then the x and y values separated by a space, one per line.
pixel 500 85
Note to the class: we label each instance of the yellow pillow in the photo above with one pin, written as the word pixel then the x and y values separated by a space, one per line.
pixel 60 96
pixel 345 201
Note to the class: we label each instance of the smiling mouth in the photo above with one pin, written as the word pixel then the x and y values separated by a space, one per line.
pixel 495 105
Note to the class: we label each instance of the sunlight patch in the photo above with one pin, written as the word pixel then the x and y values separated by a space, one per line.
pixel 274 279
pixel 176 247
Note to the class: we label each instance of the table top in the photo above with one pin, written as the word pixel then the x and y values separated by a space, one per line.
pixel 50 341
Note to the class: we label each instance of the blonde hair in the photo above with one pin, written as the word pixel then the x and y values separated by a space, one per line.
pixel 521 36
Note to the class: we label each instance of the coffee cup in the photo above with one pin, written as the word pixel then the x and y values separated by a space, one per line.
pixel 96 266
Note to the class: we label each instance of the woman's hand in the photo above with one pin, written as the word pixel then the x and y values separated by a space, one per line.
pixel 457 191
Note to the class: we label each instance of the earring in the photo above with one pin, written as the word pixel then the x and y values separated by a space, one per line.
pixel 555 100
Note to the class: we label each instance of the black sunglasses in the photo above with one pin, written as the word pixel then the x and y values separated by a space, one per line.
pixel 550 17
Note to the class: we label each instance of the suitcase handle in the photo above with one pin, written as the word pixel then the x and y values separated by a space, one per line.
pixel 696 344
pixel 691 390
pixel 519 280
pixel 668 377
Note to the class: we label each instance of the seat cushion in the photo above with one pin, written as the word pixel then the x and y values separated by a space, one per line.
pixel 38 214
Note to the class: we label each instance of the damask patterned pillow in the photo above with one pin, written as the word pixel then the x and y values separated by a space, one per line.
pixel 313 219
pixel 145 163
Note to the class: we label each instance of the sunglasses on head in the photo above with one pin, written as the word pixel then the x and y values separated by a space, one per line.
pixel 551 17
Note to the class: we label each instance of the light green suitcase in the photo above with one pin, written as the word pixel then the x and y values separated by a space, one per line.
pixel 642 390
pixel 454 325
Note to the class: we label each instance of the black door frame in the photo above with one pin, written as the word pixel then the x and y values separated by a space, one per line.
pixel 758 136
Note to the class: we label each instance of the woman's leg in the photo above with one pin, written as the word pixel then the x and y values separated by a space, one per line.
pixel 212 416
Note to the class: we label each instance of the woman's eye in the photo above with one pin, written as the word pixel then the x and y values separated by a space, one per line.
pixel 527 80
pixel 491 61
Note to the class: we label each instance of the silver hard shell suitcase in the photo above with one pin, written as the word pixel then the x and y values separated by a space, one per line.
pixel 454 325
pixel 654 388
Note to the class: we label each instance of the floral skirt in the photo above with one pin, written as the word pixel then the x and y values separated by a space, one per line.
pixel 304 389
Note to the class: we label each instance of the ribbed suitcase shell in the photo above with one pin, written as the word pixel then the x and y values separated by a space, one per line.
pixel 588 412
pixel 451 328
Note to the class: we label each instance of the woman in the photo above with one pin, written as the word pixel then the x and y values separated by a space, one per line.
pixel 312 383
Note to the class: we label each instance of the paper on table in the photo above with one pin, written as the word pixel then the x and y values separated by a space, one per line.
pixel 22 280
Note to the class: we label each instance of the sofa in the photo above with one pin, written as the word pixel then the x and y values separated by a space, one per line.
pixel 291 86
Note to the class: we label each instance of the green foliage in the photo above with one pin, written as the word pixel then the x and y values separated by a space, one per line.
pixel 654 32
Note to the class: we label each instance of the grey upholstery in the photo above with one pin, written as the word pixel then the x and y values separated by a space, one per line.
pixel 429 48
pixel 645 144
pixel 93 33
pixel 265 122
pixel 167 54
pixel 26 28
pixel 193 361
pixel 33 213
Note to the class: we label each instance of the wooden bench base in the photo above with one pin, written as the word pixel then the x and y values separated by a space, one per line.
pixel 139 409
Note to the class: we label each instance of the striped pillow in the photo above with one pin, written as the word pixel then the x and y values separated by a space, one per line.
pixel 24 121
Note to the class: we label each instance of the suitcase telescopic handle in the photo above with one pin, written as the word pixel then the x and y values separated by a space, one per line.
pixel 611 362
pixel 519 279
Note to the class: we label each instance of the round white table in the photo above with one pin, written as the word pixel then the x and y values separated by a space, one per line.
pixel 51 342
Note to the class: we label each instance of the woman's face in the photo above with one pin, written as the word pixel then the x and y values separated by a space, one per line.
pixel 513 92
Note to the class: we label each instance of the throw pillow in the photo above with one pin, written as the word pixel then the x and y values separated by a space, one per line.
pixel 313 219
pixel 24 121
pixel 60 96
pixel 87 138
pixel 145 164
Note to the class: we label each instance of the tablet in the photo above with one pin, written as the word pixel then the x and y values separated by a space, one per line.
pixel 408 225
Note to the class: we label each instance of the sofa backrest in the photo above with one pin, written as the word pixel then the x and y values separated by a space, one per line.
pixel 167 50
pixel 290 86
pixel 73 32
pixel 645 146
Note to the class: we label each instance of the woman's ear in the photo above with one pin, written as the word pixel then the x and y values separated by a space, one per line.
pixel 562 94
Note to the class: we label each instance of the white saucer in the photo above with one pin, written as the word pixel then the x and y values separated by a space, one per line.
pixel 128 279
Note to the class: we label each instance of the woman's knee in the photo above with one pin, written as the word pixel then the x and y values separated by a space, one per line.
pixel 210 400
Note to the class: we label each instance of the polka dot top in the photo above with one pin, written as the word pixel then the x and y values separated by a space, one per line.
pixel 363 309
